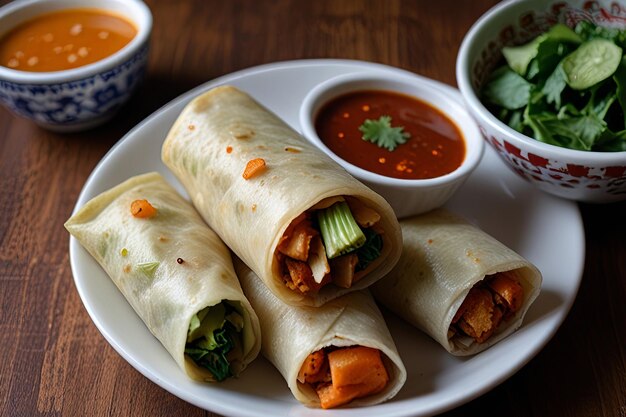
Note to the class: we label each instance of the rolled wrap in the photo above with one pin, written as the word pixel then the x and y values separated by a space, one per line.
pixel 443 257
pixel 189 267
pixel 291 333
pixel 208 148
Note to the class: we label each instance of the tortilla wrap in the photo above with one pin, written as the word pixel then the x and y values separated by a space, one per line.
pixel 168 267
pixel 208 149
pixel 291 333
pixel 443 257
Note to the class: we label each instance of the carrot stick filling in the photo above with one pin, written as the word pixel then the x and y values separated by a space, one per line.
pixel 340 375
pixel 333 242
pixel 488 304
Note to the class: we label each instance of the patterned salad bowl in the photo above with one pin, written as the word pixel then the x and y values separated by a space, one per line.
pixel 589 176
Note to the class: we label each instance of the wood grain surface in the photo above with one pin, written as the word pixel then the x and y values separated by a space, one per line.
pixel 53 360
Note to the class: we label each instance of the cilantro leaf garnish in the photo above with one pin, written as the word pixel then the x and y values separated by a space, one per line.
pixel 382 134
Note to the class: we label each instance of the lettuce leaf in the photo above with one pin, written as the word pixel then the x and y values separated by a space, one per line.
pixel 210 338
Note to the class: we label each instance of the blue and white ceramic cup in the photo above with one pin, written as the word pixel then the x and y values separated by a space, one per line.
pixel 79 98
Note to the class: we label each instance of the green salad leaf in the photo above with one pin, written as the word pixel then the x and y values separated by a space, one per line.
pixel 566 88
pixel 382 134
pixel 620 81
pixel 211 337
pixel 507 89
pixel 587 30
pixel 534 56
pixel 554 86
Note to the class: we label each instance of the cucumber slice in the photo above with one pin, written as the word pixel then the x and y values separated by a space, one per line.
pixel 519 57
pixel 594 61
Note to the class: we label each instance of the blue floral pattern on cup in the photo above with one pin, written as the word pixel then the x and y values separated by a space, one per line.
pixel 77 104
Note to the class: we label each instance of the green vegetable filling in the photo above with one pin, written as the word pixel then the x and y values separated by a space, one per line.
pixel 340 232
pixel 370 250
pixel 566 88
pixel 148 268
pixel 212 334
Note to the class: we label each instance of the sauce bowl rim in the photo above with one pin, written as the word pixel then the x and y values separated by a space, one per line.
pixel 406 84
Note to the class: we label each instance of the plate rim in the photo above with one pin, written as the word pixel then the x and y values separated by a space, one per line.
pixel 226 409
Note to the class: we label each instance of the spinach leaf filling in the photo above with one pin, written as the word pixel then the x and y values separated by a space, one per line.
pixel 214 332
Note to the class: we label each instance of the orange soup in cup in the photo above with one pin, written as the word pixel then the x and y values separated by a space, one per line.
pixel 64 40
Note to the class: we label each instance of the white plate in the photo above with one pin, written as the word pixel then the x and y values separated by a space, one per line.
pixel 546 230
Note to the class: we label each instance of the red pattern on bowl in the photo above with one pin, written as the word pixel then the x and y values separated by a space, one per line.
pixel 577 175
pixel 533 167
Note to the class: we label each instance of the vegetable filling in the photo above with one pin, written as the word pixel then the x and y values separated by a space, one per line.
pixel 214 339
pixel 340 375
pixel 333 242
pixel 488 304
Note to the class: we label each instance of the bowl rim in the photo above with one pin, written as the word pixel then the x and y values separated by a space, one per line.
pixel 489 20
pixel 139 15
pixel 413 86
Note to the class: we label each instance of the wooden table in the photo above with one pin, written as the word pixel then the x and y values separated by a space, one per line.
pixel 53 360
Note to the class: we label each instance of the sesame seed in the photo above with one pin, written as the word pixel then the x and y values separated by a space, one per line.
pixel 71 58
pixel 82 52
pixel 103 35
pixel 48 37
pixel 19 54
pixel 32 61
pixel 13 63
pixel 57 49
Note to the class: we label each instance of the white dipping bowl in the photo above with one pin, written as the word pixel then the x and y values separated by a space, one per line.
pixel 78 98
pixel 408 197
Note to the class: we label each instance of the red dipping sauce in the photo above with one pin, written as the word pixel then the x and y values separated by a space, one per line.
pixel 435 147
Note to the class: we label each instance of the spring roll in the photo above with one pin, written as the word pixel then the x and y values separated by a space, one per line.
pixel 306 227
pixel 335 355
pixel 458 284
pixel 175 272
